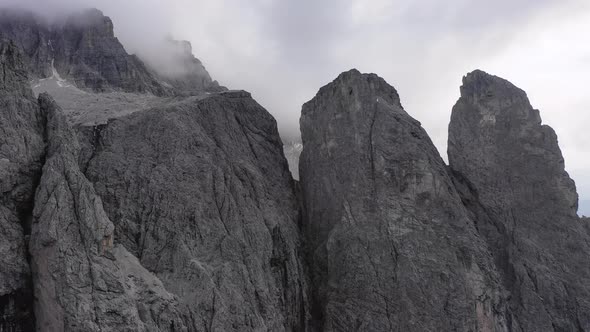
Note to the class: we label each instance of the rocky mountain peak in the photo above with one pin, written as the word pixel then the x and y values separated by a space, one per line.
pixel 511 174
pixel 91 20
pixel 167 204
pixel 493 95
pixel 481 84
pixel 83 49
pixel 375 194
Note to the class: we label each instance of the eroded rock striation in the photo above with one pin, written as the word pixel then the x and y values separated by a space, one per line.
pixel 21 158
pixel 167 203
pixel 510 172
pixel 83 49
pixel 200 192
pixel 391 245
pixel 81 281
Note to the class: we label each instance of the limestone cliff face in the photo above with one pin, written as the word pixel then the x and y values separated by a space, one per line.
pixel 177 67
pixel 82 280
pixel 189 222
pixel 510 171
pixel 84 50
pixel 391 246
pixel 179 213
pixel 21 158
pixel 200 192
pixel 32 36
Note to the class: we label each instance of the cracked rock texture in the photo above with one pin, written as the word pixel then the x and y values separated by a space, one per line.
pixel 391 246
pixel 84 50
pixel 82 283
pixel 510 171
pixel 167 203
pixel 190 222
pixel 21 158
pixel 200 192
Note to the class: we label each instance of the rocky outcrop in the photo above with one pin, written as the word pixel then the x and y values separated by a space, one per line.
pixel 200 192
pixel 197 189
pixel 391 246
pixel 87 52
pixel 84 50
pixel 510 171
pixel 32 35
pixel 81 281
pixel 21 159
pixel 180 213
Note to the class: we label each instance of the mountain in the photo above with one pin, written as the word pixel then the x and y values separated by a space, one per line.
pixel 512 174
pixel 84 50
pixel 292 150
pixel 139 199
pixel 391 244
pixel 22 149
pixel 192 225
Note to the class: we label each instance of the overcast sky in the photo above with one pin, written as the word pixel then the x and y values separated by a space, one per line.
pixel 283 51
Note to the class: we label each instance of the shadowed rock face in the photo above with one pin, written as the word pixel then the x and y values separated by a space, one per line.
pixel 510 172
pixel 87 51
pixel 391 246
pixel 180 213
pixel 21 158
pixel 32 36
pixel 84 50
pixel 81 282
pixel 200 192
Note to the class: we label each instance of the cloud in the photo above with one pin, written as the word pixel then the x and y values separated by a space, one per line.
pixel 283 51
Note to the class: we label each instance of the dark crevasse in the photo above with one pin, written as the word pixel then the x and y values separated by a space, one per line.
pixel 22 149
pixel 183 215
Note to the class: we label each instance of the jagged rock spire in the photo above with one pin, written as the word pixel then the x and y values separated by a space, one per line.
pixel 511 174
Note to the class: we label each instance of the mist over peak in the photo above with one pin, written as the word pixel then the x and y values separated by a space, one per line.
pixel 57 35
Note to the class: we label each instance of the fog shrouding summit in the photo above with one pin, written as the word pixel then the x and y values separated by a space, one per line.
pixel 282 50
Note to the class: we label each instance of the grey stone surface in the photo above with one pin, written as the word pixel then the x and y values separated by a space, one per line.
pixel 200 192
pixel 172 213
pixel 391 246
pixel 21 159
pixel 32 35
pixel 82 49
pixel 212 217
pixel 82 283
pixel 510 171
